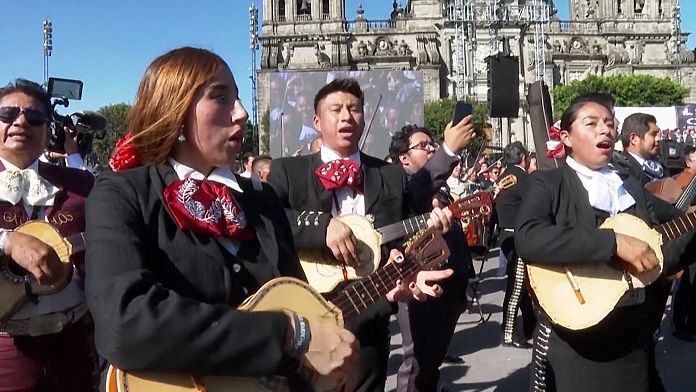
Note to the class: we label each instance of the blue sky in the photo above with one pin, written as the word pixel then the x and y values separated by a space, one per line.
pixel 108 44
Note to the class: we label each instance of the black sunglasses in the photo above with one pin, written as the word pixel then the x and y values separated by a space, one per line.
pixel 9 114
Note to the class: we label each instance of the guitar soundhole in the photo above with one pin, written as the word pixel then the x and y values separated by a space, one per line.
pixel 12 270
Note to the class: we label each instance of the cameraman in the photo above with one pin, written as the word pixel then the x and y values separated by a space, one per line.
pixel 71 157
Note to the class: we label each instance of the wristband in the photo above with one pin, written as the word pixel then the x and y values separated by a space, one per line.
pixel 303 335
pixel 4 236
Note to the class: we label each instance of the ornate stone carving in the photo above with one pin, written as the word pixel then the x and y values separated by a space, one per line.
pixel 385 47
pixel 289 51
pixel 362 49
pixel 637 52
pixel 579 45
pixel 422 51
pixel 265 56
pixel 433 51
pixel 371 48
pixel 322 58
pixel 618 55
pixel 685 55
pixel 404 50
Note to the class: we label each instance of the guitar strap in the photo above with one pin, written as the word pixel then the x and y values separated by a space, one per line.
pixel 541 119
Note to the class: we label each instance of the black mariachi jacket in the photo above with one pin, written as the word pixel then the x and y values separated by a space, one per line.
pixel 163 298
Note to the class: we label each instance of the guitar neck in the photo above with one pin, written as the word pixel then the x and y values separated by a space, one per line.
pixel 359 295
pixel 687 196
pixel 678 226
pixel 405 228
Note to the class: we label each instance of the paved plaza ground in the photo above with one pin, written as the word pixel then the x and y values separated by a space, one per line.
pixel 489 367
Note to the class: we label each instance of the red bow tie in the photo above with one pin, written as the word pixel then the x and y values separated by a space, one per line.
pixel 340 172
pixel 206 207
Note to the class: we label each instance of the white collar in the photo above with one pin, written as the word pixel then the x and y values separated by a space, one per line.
pixel 222 175
pixel 605 189
pixel 586 171
pixel 638 158
pixel 328 155
pixel 8 166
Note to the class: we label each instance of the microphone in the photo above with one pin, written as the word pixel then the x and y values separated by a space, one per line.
pixel 89 119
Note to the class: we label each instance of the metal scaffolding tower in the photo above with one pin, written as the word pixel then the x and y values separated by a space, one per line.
pixel 464 39
pixel 254 47
pixel 540 18
pixel 677 37
pixel 47 46
pixel 467 17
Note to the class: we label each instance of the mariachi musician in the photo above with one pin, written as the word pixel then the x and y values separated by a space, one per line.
pixel 558 225
pixel 507 204
pixel 48 344
pixel 640 137
pixel 312 200
pixel 684 305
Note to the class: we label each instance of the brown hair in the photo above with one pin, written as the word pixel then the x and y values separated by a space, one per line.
pixel 167 90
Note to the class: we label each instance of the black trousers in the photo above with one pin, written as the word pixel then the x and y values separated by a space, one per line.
pixel 426 330
pixel 516 294
pixel 370 372
pixel 684 313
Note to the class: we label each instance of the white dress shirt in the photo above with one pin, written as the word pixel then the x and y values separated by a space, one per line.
pixel 604 188
pixel 638 158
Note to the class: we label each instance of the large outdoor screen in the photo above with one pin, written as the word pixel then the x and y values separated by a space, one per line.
pixel 392 100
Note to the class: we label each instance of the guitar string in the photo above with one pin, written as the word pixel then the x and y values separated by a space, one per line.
pixel 467 207
pixel 353 310
pixel 392 276
pixel 343 298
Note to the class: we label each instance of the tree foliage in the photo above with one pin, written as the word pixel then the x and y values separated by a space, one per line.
pixel 249 145
pixel 116 122
pixel 627 90
pixel 439 113
pixel 264 139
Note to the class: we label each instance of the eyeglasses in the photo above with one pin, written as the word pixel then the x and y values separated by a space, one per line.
pixel 425 146
pixel 9 114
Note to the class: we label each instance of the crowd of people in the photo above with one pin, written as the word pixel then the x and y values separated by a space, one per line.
pixel 177 239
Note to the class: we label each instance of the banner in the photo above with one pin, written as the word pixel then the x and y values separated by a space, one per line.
pixel 393 98
pixel 686 116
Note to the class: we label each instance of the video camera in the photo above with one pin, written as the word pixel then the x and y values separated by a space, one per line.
pixel 83 125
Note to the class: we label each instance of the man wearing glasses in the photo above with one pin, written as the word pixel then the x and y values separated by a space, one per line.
pixel 46 344
pixel 426 328
pixel 309 188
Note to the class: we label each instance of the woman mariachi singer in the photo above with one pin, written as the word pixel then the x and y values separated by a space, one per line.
pixel 558 224
pixel 163 278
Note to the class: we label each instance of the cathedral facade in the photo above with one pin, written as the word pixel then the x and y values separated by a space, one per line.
pixel 602 37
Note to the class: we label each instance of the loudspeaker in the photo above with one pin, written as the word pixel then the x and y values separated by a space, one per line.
pixel 503 86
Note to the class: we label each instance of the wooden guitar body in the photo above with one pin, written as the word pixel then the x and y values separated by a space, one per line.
pixel 278 294
pixel 12 280
pixel 426 250
pixel 324 272
pixel 601 285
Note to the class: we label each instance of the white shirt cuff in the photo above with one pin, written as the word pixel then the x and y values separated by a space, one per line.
pixel 4 236
pixel 75 161
pixel 448 151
